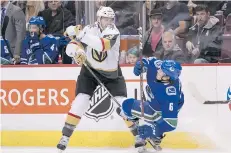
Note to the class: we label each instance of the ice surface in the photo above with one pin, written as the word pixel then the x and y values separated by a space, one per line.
pixel 97 150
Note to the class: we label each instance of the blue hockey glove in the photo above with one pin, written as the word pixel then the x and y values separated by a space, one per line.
pixel 63 41
pixel 34 41
pixel 137 69
pixel 146 131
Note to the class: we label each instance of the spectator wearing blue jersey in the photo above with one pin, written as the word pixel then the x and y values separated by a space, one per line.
pixel 38 48
pixel 5 56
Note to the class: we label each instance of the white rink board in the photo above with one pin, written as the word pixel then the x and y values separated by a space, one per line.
pixel 199 83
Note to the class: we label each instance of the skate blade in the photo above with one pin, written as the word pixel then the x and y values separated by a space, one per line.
pixel 141 149
pixel 157 148
pixel 60 151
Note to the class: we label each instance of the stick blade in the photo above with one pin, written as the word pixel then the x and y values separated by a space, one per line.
pixel 217 102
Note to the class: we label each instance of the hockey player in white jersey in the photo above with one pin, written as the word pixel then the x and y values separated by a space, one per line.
pixel 98 46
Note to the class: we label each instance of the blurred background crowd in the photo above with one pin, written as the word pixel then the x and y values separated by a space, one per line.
pixel 185 31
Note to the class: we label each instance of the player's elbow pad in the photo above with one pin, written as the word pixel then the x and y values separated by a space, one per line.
pixel 99 44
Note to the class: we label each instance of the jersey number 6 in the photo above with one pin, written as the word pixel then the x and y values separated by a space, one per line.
pixel 171 106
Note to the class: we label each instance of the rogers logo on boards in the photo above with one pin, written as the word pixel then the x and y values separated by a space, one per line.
pixel 36 96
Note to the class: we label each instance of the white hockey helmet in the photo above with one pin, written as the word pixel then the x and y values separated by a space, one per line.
pixel 106 12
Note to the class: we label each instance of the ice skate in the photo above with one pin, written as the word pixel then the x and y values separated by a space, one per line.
pixel 62 145
pixel 156 143
pixel 140 144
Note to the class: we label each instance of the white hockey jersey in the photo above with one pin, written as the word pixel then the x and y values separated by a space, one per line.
pixel 102 48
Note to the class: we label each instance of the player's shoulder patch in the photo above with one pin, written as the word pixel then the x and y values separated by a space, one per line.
pixel 50 36
pixel 157 63
pixel 50 39
pixel 150 58
pixel 171 91
pixel 111 36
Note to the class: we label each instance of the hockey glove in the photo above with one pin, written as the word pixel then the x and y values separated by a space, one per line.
pixel 63 41
pixel 138 68
pixel 73 31
pixel 34 41
pixel 146 131
pixel 80 57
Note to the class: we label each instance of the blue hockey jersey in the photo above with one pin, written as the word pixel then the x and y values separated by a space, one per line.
pixel 166 99
pixel 5 53
pixel 46 53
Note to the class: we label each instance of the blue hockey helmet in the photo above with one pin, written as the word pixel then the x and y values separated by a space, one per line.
pixel 171 68
pixel 38 20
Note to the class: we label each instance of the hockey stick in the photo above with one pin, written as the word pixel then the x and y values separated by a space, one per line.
pixel 141 32
pixel 201 99
pixel 195 93
pixel 113 98
pixel 217 102
pixel 101 84
pixel 141 39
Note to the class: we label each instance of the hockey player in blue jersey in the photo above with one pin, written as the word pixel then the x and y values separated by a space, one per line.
pixel 165 99
pixel 6 58
pixel 39 48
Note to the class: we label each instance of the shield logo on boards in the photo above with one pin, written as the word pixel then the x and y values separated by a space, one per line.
pixel 101 105
pixel 229 96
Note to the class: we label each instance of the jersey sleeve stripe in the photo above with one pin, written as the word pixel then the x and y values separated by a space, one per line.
pixel 103 45
pixel 171 121
pixel 106 44
pixel 77 43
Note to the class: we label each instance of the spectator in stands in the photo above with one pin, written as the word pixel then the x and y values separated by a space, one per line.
pixel 175 16
pixel 100 3
pixel 70 5
pixel 132 55
pixel 39 48
pixel 123 56
pixel 170 50
pixel 33 8
pixel 204 39
pixel 21 4
pixel 5 57
pixel 16 27
pixel 212 5
pixel 150 5
pixel 57 18
pixel 227 10
pixel 126 19
pixel 153 43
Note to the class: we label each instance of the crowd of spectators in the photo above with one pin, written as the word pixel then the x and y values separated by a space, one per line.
pixel 185 31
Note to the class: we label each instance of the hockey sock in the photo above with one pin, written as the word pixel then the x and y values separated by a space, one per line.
pixel 130 124
pixel 133 129
pixel 70 124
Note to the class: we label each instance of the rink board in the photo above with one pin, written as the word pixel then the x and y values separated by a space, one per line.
pixel 34 102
